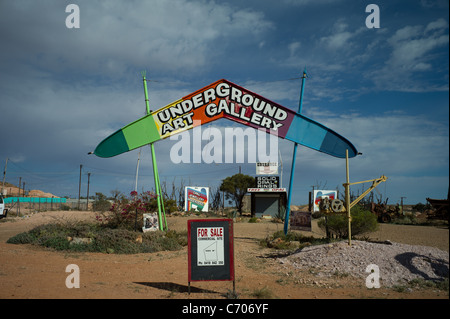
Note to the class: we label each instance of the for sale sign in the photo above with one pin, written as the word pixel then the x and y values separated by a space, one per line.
pixel 210 249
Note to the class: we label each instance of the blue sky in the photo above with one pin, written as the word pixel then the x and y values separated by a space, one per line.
pixel 385 89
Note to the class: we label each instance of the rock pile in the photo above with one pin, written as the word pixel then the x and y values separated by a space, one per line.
pixel 397 263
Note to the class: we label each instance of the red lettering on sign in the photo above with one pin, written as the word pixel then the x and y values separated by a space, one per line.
pixel 202 232
pixel 216 232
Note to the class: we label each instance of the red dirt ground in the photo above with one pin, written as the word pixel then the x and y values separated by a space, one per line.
pixel 32 272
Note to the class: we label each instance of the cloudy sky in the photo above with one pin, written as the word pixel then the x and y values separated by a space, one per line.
pixel 385 89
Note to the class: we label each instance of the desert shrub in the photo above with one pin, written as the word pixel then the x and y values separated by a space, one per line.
pixel 102 239
pixel 127 212
pixel 58 242
pixel 253 220
pixel 419 207
pixel 158 241
pixel 409 219
pixel 117 241
pixel 180 236
pixel 363 221
pixel 22 238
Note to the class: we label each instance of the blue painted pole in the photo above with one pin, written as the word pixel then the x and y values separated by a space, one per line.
pixel 294 155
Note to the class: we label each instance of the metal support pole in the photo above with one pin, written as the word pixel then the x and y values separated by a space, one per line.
pixel 147 105
pixel 159 191
pixel 158 195
pixel 347 201
pixel 155 167
pixel 294 155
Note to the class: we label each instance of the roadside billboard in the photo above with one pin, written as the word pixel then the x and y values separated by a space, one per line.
pixel 319 194
pixel 196 198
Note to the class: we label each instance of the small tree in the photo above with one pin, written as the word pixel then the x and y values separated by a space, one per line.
pixel 101 204
pixel 235 187
pixel 215 199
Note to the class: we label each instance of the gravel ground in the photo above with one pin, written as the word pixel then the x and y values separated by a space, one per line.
pixel 397 263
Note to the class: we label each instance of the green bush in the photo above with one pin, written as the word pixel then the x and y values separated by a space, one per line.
pixel 253 220
pixel 363 221
pixel 22 238
pixel 102 239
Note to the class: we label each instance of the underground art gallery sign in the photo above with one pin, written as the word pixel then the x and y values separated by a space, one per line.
pixel 224 99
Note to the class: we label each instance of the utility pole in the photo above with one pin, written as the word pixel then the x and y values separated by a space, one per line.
pixel 4 175
pixel 87 196
pixel 79 188
pixel 18 197
pixel 137 171
pixel 401 203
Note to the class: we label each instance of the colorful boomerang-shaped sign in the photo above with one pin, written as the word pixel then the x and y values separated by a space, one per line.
pixel 224 99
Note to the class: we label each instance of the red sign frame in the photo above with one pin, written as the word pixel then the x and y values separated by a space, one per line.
pixel 211 272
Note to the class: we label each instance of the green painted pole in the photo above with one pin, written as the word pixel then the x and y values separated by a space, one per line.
pixel 294 155
pixel 155 167
pixel 147 104
pixel 158 195
pixel 158 183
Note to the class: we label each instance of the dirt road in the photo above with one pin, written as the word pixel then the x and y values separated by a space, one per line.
pixel 32 272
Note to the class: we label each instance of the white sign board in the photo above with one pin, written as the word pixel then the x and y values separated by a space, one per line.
pixel 150 222
pixel 210 246
pixel 267 181
pixel 267 168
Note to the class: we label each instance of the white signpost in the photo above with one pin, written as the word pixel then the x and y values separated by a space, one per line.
pixel 270 168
